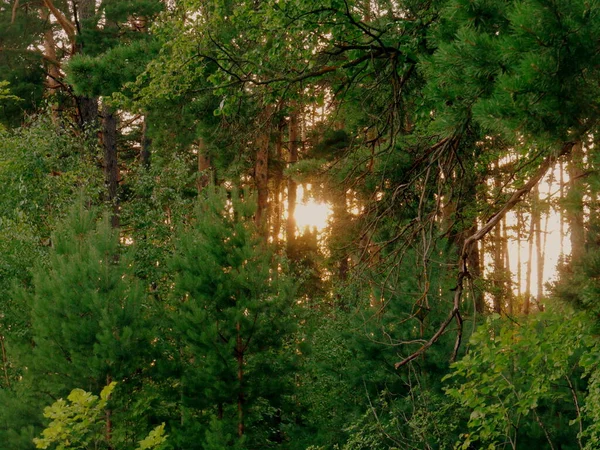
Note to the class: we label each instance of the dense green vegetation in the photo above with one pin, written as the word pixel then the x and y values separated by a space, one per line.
pixel 158 292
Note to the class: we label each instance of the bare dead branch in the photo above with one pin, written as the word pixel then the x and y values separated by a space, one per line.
pixel 472 240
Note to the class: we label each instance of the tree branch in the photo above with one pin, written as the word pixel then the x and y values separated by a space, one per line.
pixel 14 12
pixel 65 23
pixel 472 240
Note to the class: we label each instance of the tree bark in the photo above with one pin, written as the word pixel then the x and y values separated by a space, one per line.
pixel 261 174
pixel 111 169
pixel 575 203
pixel 277 188
pixel 240 376
pixel 87 106
pixel 146 142
pixel 204 166
pixel 292 186
pixel 499 287
pixel 507 276
pixel 53 73
pixel 108 418
pixel 527 300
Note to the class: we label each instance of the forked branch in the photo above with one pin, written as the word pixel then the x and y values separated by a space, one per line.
pixel 463 272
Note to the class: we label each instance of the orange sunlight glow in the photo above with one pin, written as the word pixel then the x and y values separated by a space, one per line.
pixel 311 213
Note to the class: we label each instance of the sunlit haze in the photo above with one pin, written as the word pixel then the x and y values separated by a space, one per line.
pixel 311 213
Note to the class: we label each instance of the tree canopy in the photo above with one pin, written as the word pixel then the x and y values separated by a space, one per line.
pixel 158 159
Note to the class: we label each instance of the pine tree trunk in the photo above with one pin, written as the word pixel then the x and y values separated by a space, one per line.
pixel 53 76
pixel 292 186
pixel 87 106
pixel 261 174
pixel 527 301
pixel 4 362
pixel 367 12
pixel 277 187
pixel 498 269
pixel 507 274
pixel 240 376
pixel 575 203
pixel 111 169
pixel 519 259
pixel 145 146
pixel 498 256
pixel 562 210
pixel 108 418
pixel 340 220
pixel 537 219
pixel 203 166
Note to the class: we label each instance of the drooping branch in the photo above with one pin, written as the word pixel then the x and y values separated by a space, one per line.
pixel 463 273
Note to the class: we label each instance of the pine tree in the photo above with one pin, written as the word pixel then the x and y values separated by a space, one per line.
pixel 88 324
pixel 233 323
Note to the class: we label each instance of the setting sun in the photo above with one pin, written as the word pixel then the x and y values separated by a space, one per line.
pixel 311 213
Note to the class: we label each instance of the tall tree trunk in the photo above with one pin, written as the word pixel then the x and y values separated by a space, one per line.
pixel 277 188
pixel 498 255
pixel 575 203
pixel 498 269
pixel 519 258
pixel 261 173
pixel 240 376
pixel 53 73
pixel 341 220
pixel 146 142
pixel 204 166
pixel 4 362
pixel 527 300
pixel 562 209
pixel 87 107
pixel 507 272
pixel 292 186
pixel 537 218
pixel 111 169
pixel 108 419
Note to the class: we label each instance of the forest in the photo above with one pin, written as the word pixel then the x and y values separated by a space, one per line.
pixel 299 224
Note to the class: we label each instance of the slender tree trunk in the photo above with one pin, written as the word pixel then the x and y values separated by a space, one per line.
pixel 87 106
pixel 537 217
pixel 292 186
pixel 507 272
pixel 53 75
pixel 367 12
pixel 527 301
pixel 4 362
pixel 108 418
pixel 562 209
pixel 111 169
pixel 575 203
pixel 261 174
pixel 340 219
pixel 542 249
pixel 277 188
pixel 519 259
pixel 498 256
pixel 204 166
pixel 240 376
pixel 146 142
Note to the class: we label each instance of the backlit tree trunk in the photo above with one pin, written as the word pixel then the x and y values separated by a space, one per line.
pixel 261 174
pixel 575 203
pixel 111 169
pixel 292 186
